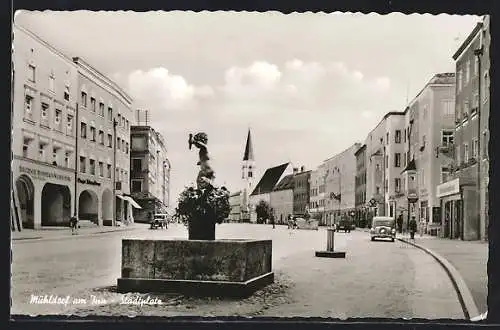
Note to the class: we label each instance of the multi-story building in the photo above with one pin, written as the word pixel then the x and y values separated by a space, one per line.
pixel 282 199
pixel 235 206
pixel 360 187
pixel 429 119
pixel 263 189
pixel 317 194
pixel 43 132
pixel 301 190
pixel 104 117
pixel 149 172
pixel 464 197
pixel 340 184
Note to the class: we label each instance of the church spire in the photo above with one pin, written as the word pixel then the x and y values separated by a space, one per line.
pixel 248 148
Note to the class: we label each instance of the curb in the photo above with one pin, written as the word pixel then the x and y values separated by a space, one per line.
pixel 464 296
pixel 57 238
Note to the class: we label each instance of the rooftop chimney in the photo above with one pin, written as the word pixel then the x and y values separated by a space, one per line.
pixel 302 168
pixel 295 170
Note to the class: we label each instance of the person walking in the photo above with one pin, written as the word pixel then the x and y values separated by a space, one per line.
pixel 399 222
pixel 73 224
pixel 413 227
pixel 272 220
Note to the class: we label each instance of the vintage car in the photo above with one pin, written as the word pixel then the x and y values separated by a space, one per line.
pixel 383 227
pixel 160 221
pixel 344 224
pixel 310 224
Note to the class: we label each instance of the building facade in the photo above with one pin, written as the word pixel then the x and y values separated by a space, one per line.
pixel 149 172
pixel 282 199
pixel 464 197
pixel 360 187
pixel 104 121
pixel 301 190
pixel 235 200
pixel 340 184
pixel 43 132
pixel 317 194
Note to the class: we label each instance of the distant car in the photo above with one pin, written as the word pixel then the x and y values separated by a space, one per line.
pixel 383 227
pixel 160 221
pixel 345 225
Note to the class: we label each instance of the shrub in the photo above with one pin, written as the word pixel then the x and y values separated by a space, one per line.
pixel 207 203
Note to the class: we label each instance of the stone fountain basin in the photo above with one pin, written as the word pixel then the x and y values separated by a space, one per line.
pixel 224 268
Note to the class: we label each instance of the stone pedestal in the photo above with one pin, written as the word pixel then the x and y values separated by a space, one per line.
pixel 224 268
pixel 330 247
pixel 202 228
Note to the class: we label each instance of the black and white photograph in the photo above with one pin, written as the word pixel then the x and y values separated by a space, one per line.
pixel 250 164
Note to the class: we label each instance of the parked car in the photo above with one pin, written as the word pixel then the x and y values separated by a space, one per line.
pixel 383 227
pixel 160 221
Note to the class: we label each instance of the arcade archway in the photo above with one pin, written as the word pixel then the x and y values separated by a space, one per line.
pixel 26 196
pixel 88 206
pixel 56 205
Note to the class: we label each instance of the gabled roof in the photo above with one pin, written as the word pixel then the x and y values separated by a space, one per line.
pixel 468 40
pixel 269 179
pixel 248 155
pixel 285 183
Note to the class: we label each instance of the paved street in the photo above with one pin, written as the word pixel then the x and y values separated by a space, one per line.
pixel 400 281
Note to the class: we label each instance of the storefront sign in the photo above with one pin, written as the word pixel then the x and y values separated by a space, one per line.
pixel 448 188
pixel 89 182
pixel 43 175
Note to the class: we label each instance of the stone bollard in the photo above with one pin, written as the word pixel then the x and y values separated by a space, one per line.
pixel 330 239
pixel 330 246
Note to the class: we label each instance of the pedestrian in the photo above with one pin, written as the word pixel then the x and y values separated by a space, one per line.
pixel 73 224
pixel 400 222
pixel 272 221
pixel 413 227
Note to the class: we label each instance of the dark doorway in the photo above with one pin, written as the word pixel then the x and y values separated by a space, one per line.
pixel 26 195
pixel 88 206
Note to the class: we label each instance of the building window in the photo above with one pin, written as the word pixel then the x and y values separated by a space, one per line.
pixel 404 136
pixel 386 161
pixel 457 152
pixel 101 137
pixel 448 108
pixel 57 118
pixel 118 142
pixel 92 166
pixel 467 72
pixel 69 124
pixel 66 93
pixel 31 73
pixel 101 109
pixel 387 138
pixel 83 163
pixel 110 140
pixel 92 133
pixel 52 84
pixel 397 185
pixel 84 99
pixel 28 105
pixel 466 109
pixel 110 114
pixel 108 171
pixel 475 146
pixel 445 174
pixel 136 186
pixel 66 158
pixel 119 119
pixel 45 109
pixel 138 143
pixel 485 87
pixel 41 152
pixel 377 190
pixel 475 101
pixel 92 104
pixel 466 152
pixel 476 65
pixel 446 138
pixel 137 164
pixel 377 167
pixel 83 130
pixel 126 148
pixel 117 174
pixel 101 169
pixel 397 136
pixel 397 159
pixel 26 143
pixel 54 156
pixel 459 78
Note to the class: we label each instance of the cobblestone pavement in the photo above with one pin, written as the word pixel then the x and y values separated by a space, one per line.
pixel 377 279
pixel 470 258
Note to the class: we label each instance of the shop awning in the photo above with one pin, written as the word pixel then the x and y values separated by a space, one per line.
pixel 132 202
pixel 121 197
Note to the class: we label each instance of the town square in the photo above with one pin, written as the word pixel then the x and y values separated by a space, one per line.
pixel 278 168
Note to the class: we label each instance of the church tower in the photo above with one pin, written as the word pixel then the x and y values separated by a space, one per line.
pixel 247 175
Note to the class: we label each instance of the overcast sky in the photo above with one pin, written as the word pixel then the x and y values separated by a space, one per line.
pixel 309 85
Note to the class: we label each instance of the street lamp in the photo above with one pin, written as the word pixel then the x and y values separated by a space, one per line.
pixel 339 195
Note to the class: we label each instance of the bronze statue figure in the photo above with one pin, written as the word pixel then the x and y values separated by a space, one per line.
pixel 206 175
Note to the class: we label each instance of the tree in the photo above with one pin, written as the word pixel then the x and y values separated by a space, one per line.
pixel 263 211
